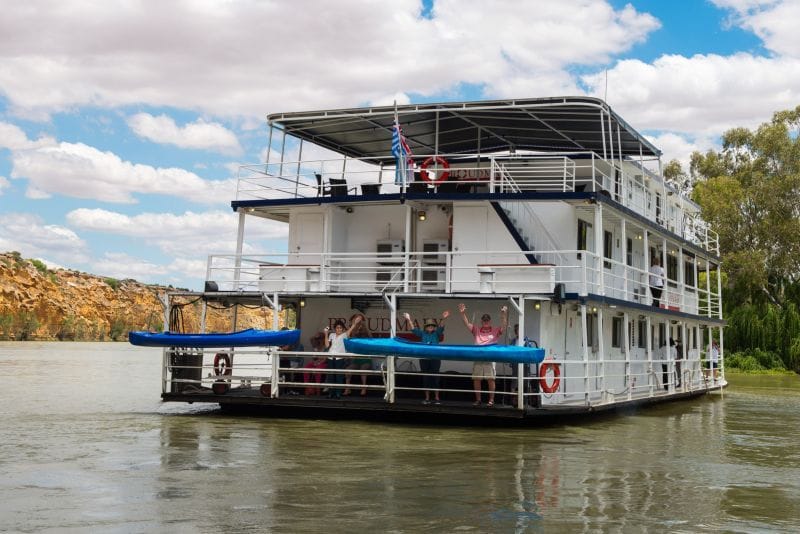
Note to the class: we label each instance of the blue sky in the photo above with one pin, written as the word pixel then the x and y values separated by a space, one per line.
pixel 121 130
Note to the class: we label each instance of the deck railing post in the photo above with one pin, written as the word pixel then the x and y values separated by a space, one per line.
pixel 164 366
pixel 275 368
pixel 390 377
pixel 585 336
pixel 631 381
pixel 651 377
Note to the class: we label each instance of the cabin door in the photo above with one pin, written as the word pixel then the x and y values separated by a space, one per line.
pixel 470 234
pixel 307 239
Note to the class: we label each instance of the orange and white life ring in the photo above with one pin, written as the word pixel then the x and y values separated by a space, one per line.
pixel 440 161
pixel 547 387
pixel 222 364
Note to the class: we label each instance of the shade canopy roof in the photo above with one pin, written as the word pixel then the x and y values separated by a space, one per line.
pixel 557 124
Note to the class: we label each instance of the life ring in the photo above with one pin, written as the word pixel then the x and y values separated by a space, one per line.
pixel 423 170
pixel 222 364
pixel 549 388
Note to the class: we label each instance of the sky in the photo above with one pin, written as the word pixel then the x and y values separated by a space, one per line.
pixel 123 123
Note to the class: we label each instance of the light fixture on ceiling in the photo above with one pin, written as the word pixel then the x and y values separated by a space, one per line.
pixel 421 215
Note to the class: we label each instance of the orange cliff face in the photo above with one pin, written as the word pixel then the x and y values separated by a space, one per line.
pixel 37 303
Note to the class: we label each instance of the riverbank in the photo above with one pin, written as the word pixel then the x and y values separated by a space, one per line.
pixel 42 304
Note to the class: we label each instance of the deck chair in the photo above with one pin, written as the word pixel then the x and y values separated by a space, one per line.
pixel 321 189
pixel 418 185
pixel 338 187
pixel 370 189
pixel 447 187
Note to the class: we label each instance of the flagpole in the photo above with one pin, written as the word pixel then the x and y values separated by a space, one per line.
pixel 401 168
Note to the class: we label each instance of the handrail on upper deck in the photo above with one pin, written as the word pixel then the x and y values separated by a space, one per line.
pixel 557 172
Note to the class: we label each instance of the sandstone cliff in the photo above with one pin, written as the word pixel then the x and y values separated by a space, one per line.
pixel 38 303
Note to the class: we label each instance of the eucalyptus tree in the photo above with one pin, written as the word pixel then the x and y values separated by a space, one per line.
pixel 750 192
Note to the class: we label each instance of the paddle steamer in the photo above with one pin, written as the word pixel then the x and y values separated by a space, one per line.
pixel 552 207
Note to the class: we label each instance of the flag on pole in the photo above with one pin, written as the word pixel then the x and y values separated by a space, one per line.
pixel 404 164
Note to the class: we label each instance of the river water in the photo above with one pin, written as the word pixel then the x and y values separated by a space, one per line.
pixel 86 445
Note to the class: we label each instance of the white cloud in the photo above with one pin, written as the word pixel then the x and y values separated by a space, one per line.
pixel 33 238
pixel 122 265
pixel 214 57
pixel 679 147
pixel 187 235
pixel 81 171
pixel 197 135
pixel 13 138
pixel 4 183
pixel 702 95
pixel 773 21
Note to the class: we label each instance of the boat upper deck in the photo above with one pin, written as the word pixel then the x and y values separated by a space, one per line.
pixel 533 148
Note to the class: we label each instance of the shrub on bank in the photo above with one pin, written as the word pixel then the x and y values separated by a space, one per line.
pixel 754 360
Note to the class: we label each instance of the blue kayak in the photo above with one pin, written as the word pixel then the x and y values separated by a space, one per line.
pixel 484 353
pixel 242 338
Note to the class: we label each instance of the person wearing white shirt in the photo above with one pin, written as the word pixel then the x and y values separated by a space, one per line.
pixel 713 359
pixel 656 281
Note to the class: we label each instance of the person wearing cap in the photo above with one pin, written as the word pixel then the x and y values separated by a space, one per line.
pixel 430 334
pixel 484 334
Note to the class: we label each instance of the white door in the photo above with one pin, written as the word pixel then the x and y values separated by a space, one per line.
pixel 470 234
pixel 306 238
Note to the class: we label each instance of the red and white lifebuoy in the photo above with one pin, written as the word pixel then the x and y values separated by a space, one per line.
pixel 222 367
pixel 545 385
pixel 222 364
pixel 440 162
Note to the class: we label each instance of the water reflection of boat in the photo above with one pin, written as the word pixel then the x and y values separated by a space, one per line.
pixel 553 207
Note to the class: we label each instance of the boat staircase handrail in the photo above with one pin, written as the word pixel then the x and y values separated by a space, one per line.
pixel 522 215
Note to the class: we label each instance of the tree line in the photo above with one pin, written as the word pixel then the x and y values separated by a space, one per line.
pixel 749 190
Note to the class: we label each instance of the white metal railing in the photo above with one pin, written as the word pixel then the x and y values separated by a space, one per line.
pixel 626 183
pixel 509 272
pixel 274 373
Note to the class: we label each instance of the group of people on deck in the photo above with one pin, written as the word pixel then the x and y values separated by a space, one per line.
pixel 431 333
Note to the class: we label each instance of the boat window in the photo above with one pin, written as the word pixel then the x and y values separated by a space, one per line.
pixel 583 235
pixel 629 251
pixel 607 244
pixel 642 335
pixel 672 266
pixel 688 272
pixel 616 332
pixel 591 324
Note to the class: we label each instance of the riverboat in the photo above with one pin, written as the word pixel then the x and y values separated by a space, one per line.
pixel 552 208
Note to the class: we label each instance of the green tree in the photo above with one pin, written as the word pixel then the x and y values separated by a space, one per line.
pixel 6 322
pixel 750 193
pixel 27 324
pixel 40 266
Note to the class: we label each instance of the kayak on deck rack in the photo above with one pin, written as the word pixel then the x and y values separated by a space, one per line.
pixel 244 338
pixel 488 353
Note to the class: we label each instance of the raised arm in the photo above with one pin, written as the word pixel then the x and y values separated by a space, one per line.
pixel 504 317
pixel 355 323
pixel 463 310
pixel 327 331
pixel 445 315
pixel 409 321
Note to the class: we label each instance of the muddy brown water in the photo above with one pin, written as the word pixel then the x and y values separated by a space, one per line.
pixel 86 445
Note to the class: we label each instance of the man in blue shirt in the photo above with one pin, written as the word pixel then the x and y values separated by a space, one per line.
pixel 431 333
